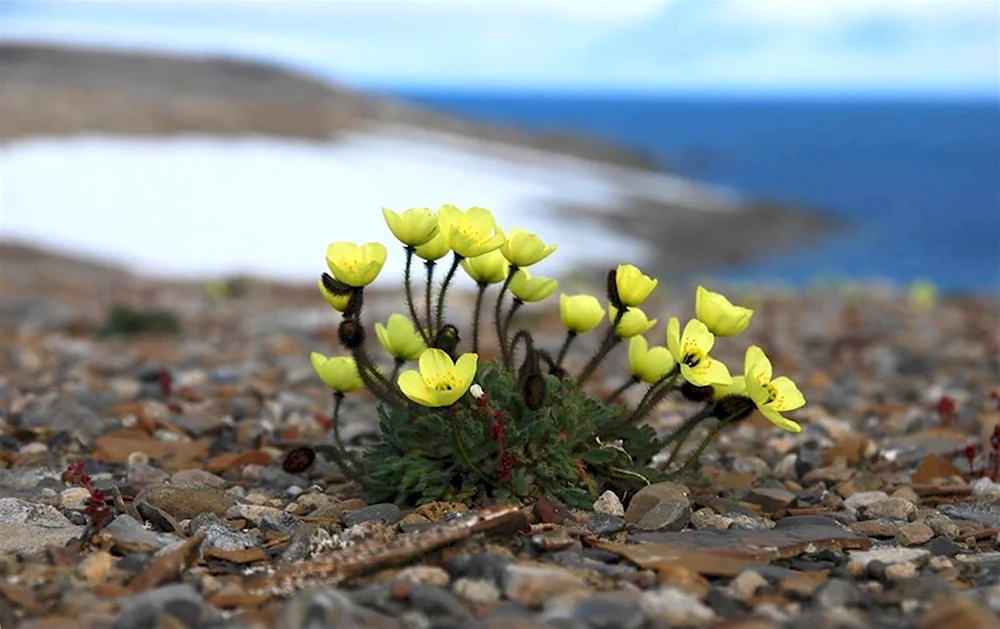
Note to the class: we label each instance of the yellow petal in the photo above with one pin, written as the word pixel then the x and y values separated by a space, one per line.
pixel 696 335
pixel 756 390
pixel 435 365
pixel 633 285
pixel 712 372
pixel 755 362
pixel 779 420
pixel 465 370
pixel 383 337
pixel 674 339
pixel 435 248
pixel 787 396
pixel 637 348
pixel 414 388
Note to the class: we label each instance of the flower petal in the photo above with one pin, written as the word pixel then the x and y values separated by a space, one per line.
pixel 779 420
pixel 414 388
pixel 696 333
pixel 713 372
pixel 435 365
pixel 787 396
pixel 674 338
pixel 756 362
pixel 465 370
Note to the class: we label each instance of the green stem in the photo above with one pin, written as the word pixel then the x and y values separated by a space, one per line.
pixel 515 306
pixel 628 384
pixel 611 339
pixel 338 397
pixel 397 364
pixel 654 395
pixel 460 448
pixel 439 312
pixel 570 337
pixel 497 321
pixel 408 290
pixel 681 433
pixel 701 449
pixel 428 295
pixel 475 316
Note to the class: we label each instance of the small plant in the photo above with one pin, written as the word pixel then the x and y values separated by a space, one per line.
pixel 521 426
pixel 123 320
pixel 100 507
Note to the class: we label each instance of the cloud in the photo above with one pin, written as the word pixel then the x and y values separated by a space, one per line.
pixel 788 45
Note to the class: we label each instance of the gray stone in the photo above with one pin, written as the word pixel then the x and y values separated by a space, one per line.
pixel 60 414
pixel 673 607
pixel 609 611
pixel 26 527
pixel 440 606
pixel 179 600
pixel 608 503
pixel 129 533
pixel 486 566
pixel 838 593
pixel 888 556
pixel 186 500
pixel 670 514
pixel 650 496
pixel 984 486
pixel 532 586
pixel 14 511
pixel 746 584
pixel 942 525
pixel 605 524
pixel 476 591
pixel 386 513
pixel 892 508
pixel 27 477
pixel 318 608
pixel 708 519
pixel 914 533
pixel 771 499
pixel 943 547
pixel 984 513
pixel 864 499
pixel 280 479
pixel 218 535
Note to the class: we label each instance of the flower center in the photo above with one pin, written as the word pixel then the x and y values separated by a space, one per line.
pixel 444 383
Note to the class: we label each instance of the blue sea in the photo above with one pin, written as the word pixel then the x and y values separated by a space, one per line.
pixel 917 181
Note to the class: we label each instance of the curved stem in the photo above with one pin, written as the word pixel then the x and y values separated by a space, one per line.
pixel 475 316
pixel 354 464
pixel 611 339
pixel 700 450
pixel 654 395
pixel 375 381
pixel 497 321
pixel 397 364
pixel 628 384
pixel 505 330
pixel 439 312
pixel 570 337
pixel 408 291
pixel 460 448
pixel 428 294
pixel 681 434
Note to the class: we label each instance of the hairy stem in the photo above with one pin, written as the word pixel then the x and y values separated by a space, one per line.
pixel 460 448
pixel 408 291
pixel 505 331
pixel 475 316
pixel 428 295
pixel 497 321
pixel 570 337
pixel 396 366
pixel 700 450
pixel 352 462
pixel 611 339
pixel 439 312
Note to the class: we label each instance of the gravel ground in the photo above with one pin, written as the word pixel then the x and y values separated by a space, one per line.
pixel 868 518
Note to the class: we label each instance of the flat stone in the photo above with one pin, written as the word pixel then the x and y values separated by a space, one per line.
pixel 670 514
pixel 914 533
pixel 901 571
pixel 17 511
pixel 650 496
pixel 893 508
pixel 60 414
pixel 682 578
pixel 28 477
pixel 613 610
pixel 888 556
pixel 943 525
pixel 476 591
pixel 959 612
pixel 605 524
pixel 863 499
pixel 131 536
pixel 187 500
pixel 933 467
pixel 764 545
pixel 609 503
pixel 179 600
pixel 984 513
pixel 385 513
pixel 660 556
pixel 943 547
pixel 876 528
pixel 532 586
pixel 838 593
pixel 771 499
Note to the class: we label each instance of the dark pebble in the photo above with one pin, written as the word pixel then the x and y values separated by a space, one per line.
pixel 838 593
pixel 385 513
pixel 605 524
pixel 925 587
pixel 943 547
pixel 876 570
pixel 723 604
pixel 605 612
pixel 441 607
pixel 486 566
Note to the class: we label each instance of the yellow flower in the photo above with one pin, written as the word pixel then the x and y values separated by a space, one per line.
pixel 720 316
pixel 580 313
pixel 649 365
pixel 355 265
pixel 527 288
pixel 691 351
pixel 488 268
pixel 470 233
pixel 633 322
pixel 337 302
pixel 771 396
pixel 340 373
pixel 400 339
pixel 440 382
pixel 413 227
pixel 633 285
pixel 524 248
pixel 923 295
pixel 738 386
pixel 435 248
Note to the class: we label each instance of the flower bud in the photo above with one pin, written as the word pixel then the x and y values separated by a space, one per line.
pixel 733 407
pixel 351 333
pixel 696 393
pixel 299 460
pixel 447 340
pixel 476 391
pixel 612 288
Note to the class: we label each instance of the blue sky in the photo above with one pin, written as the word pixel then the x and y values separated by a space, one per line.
pixel 938 46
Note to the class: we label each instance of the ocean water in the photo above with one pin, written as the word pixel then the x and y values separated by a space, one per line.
pixel 918 182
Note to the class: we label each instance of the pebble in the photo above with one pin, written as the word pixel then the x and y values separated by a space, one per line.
pixel 186 500
pixel 605 524
pixel 675 608
pixel 859 560
pixel 423 575
pixel 915 533
pixel 152 608
pixel 838 593
pixel 531 586
pixel 74 498
pixel 771 499
pixel 650 496
pixel 746 584
pixel 708 519
pixel 986 487
pixel 893 508
pixel 943 525
pixel 609 504
pixel 864 499
pixel 130 535
pixel 476 591
pixel 670 514
pixel 384 513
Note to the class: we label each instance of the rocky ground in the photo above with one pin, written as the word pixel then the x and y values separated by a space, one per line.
pixel 868 518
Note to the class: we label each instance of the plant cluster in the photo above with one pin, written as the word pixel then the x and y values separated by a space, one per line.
pixel 521 426
pixel 100 507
